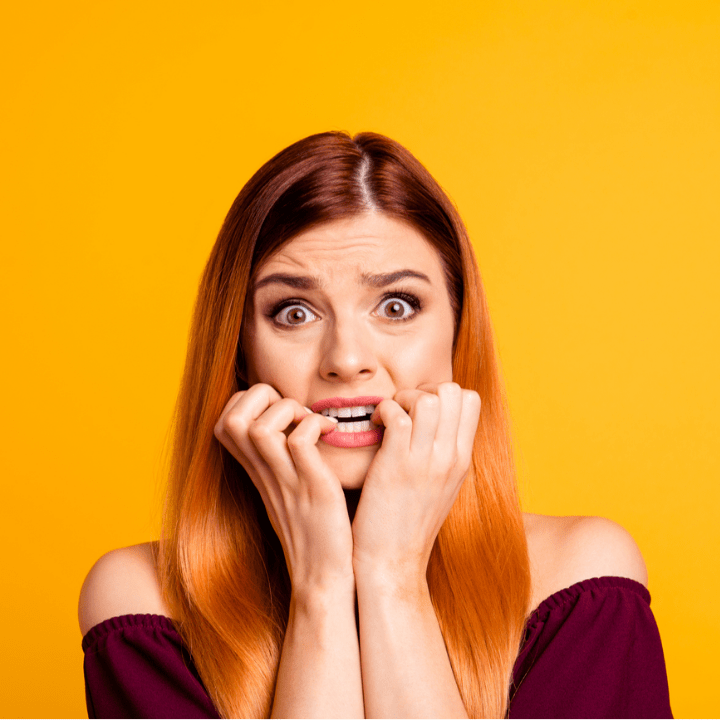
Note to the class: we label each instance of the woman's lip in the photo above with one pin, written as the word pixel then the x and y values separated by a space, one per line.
pixel 353 440
pixel 340 402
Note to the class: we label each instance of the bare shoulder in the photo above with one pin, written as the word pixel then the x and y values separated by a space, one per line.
pixel 121 582
pixel 565 550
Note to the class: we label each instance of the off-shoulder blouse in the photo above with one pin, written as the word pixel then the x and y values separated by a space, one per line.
pixel 592 650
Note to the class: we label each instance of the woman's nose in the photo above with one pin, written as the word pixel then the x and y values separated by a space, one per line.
pixel 347 354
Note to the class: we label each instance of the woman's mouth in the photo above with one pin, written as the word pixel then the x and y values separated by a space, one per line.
pixel 354 428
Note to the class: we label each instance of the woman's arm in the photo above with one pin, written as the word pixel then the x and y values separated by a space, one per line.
pixel 409 489
pixel 405 667
pixel 319 673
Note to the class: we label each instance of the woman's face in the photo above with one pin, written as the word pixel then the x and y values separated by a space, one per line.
pixel 350 312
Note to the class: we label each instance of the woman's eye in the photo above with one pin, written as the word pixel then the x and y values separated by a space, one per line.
pixel 294 315
pixel 396 308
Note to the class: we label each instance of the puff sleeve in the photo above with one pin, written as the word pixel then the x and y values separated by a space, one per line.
pixel 136 667
pixel 592 650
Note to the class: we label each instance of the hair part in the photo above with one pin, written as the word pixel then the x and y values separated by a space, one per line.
pixel 222 567
pixel 362 181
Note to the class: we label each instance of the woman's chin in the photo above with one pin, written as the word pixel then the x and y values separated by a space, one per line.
pixel 350 465
pixel 354 483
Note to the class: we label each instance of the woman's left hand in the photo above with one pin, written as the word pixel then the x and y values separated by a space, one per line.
pixel 414 478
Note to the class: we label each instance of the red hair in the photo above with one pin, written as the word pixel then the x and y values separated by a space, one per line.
pixel 222 567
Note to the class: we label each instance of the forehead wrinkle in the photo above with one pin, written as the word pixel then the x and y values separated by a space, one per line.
pixel 334 253
pixel 324 262
pixel 328 248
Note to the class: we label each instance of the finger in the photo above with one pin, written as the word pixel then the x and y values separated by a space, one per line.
pixel 431 387
pixel 252 402
pixel 271 431
pixel 240 412
pixel 247 456
pixel 451 401
pixel 267 434
pixel 424 410
pixel 406 398
pixel 398 427
pixel 469 418
pixel 302 444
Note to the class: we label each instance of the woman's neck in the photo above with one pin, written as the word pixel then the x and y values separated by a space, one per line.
pixel 352 497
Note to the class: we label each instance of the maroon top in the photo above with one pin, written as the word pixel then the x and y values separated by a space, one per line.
pixel 591 650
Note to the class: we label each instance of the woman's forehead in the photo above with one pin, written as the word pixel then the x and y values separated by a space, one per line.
pixel 357 246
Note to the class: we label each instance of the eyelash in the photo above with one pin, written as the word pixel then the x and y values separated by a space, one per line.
pixel 412 300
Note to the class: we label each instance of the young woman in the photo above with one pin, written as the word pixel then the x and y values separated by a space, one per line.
pixel 343 535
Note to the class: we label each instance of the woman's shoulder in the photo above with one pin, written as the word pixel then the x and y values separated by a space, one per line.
pixel 122 582
pixel 565 550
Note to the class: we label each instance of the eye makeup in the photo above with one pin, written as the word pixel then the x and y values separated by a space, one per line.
pixel 410 298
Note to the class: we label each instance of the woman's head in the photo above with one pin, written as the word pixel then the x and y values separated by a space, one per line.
pixel 340 210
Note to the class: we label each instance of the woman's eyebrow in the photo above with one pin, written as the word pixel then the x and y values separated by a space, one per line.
pixel 309 282
pixel 301 282
pixel 384 279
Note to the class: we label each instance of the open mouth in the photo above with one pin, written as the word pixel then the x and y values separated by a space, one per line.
pixel 352 419
pixel 354 427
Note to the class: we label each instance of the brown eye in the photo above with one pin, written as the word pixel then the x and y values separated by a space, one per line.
pixel 294 315
pixel 397 309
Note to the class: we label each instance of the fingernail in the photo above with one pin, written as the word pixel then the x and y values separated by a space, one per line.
pixel 308 409
pixel 330 417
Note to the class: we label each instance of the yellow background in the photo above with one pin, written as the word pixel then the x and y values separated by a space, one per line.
pixel 581 142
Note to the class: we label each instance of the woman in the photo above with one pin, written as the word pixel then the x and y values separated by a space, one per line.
pixel 343 535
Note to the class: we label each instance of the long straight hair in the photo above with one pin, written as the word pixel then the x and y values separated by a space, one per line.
pixel 222 568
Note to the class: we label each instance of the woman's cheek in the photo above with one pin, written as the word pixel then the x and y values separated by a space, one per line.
pixel 284 367
pixel 426 362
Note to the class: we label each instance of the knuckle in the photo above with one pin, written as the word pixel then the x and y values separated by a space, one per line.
pixel 428 402
pixel 262 391
pixel 448 460
pixel 234 423
pixel 288 405
pixel 259 432
pixel 403 422
pixel 295 441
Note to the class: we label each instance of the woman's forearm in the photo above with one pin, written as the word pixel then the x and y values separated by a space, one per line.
pixel 406 671
pixel 319 672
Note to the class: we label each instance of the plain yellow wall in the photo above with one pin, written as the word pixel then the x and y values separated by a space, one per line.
pixel 581 142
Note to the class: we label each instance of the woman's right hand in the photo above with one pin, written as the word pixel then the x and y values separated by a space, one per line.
pixel 302 495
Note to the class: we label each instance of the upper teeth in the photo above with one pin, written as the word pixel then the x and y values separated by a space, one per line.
pixel 346 412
